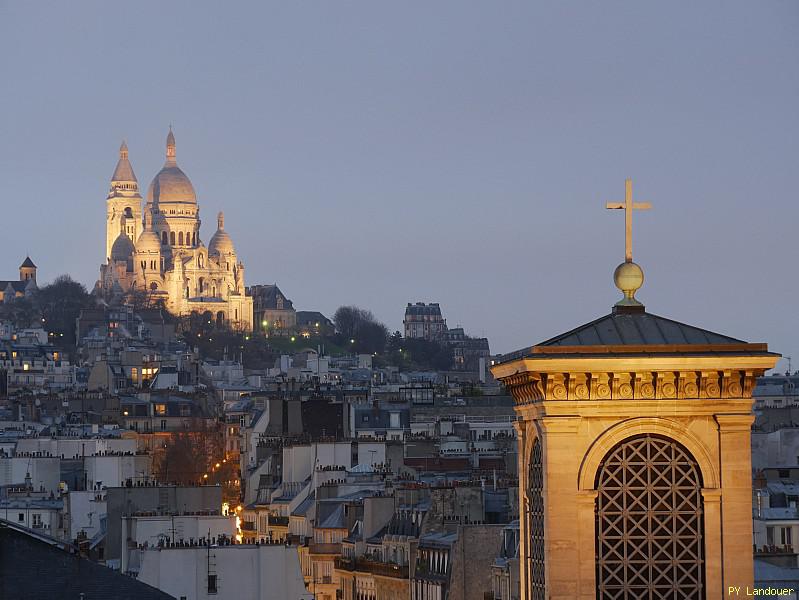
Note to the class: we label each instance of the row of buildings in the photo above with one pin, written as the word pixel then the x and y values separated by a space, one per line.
pixel 353 481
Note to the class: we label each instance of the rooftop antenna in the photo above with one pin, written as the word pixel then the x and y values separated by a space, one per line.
pixel 788 358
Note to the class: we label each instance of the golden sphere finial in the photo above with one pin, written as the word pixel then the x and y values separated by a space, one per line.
pixel 629 278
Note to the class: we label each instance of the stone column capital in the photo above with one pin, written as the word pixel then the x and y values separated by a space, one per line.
pixel 735 422
pixel 560 425
pixel 711 495
pixel 586 496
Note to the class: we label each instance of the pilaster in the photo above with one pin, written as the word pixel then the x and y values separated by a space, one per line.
pixel 714 552
pixel 586 527
pixel 736 499
pixel 561 526
pixel 522 444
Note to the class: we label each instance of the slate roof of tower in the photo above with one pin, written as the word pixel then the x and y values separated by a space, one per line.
pixel 634 329
pixel 637 328
pixel 123 171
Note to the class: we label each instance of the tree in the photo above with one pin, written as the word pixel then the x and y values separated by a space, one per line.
pixel 410 353
pixel 217 341
pixel 347 319
pixel 359 330
pixel 20 311
pixel 60 304
pixel 428 354
pixel 140 299
pixel 188 456
pixel 371 338
pixel 394 343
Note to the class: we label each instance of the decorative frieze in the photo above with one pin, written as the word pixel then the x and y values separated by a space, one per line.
pixel 688 384
pixel 600 386
pixel 710 385
pixel 532 387
pixel 644 386
pixel 666 384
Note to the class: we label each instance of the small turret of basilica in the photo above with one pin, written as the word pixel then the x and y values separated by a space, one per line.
pixel 158 250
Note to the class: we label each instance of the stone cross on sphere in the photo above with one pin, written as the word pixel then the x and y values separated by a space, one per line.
pixel 628 205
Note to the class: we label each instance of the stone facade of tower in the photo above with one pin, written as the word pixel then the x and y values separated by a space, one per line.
pixel 162 254
pixel 123 203
pixel 634 459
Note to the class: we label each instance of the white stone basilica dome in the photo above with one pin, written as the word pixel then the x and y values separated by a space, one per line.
pixel 171 184
pixel 221 242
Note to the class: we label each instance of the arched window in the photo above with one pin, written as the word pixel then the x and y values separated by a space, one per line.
pixel 163 238
pixel 213 291
pixel 187 292
pixel 535 518
pixel 172 238
pixel 649 526
pixel 201 285
pixel 143 265
pixel 194 238
pixel 188 239
pixel 180 238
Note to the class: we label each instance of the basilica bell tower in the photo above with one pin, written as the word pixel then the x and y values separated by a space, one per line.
pixel 123 203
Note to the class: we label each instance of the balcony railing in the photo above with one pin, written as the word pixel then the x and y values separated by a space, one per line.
pixel 324 548
pixel 775 549
pixel 374 567
pixel 278 521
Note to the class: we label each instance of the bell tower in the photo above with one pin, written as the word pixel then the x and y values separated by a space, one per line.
pixel 123 202
pixel 27 270
pixel 634 454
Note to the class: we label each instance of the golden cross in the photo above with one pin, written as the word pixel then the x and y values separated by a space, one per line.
pixel 628 205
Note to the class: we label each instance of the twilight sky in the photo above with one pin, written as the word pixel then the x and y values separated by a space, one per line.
pixel 376 153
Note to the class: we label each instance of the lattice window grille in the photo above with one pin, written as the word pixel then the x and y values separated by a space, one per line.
pixel 649 522
pixel 535 519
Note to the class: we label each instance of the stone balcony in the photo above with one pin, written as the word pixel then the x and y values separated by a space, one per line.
pixel 374 567
pixel 324 548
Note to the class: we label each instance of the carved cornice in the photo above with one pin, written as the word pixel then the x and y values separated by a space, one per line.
pixel 531 387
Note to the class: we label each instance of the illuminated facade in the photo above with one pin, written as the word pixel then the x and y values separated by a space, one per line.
pixel 634 456
pixel 157 250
